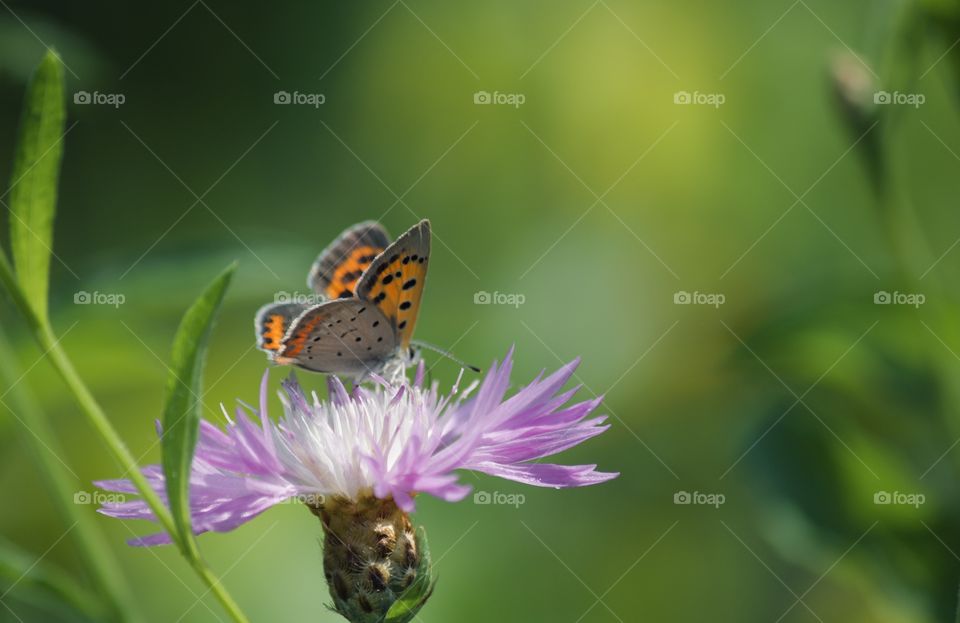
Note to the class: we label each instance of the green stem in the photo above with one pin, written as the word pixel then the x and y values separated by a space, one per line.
pixel 216 587
pixel 91 409
pixel 99 420
pixel 49 343
pixel 44 446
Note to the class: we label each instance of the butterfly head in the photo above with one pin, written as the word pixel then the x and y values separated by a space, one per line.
pixel 410 356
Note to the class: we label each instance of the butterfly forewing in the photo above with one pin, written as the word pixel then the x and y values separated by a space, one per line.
pixel 338 268
pixel 344 336
pixel 394 281
pixel 272 322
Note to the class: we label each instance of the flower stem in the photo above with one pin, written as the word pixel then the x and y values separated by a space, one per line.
pixel 50 344
pixel 43 444
pixel 98 418
pixel 216 587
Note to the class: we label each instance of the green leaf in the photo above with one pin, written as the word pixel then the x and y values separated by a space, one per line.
pixel 405 608
pixel 181 414
pixel 33 188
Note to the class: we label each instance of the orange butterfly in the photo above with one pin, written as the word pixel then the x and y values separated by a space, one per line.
pixel 372 291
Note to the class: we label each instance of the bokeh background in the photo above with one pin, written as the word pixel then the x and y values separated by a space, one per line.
pixel 599 200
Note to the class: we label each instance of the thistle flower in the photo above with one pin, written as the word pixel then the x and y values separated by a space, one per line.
pixel 358 458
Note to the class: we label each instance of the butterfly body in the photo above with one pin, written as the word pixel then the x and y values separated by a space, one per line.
pixel 372 291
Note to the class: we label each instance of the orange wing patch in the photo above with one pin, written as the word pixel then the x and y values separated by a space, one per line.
pixel 272 322
pixel 274 328
pixel 294 343
pixel 397 290
pixel 348 272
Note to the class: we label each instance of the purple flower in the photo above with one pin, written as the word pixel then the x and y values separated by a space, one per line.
pixel 394 440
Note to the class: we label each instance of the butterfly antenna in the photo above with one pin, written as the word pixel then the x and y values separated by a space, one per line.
pixel 445 353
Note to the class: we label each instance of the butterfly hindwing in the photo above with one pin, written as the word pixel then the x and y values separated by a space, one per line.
pixel 338 268
pixel 344 336
pixel 394 281
pixel 272 322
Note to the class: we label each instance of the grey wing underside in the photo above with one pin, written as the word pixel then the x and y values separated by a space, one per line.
pixel 346 337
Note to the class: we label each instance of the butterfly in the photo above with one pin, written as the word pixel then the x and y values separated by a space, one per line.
pixel 370 291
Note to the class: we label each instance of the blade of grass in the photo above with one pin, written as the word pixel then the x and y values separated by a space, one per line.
pixel 33 190
pixel 181 413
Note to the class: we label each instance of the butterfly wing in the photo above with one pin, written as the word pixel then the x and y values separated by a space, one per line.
pixel 272 322
pixel 394 281
pixel 338 267
pixel 349 337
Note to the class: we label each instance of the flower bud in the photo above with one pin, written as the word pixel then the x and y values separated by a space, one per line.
pixel 377 567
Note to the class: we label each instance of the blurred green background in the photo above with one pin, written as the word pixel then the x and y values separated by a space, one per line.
pixel 598 200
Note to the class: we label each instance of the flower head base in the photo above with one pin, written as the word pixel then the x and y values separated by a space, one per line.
pixel 377 567
pixel 393 440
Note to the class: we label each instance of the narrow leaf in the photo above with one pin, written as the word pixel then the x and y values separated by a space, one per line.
pixel 33 188
pixel 181 414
